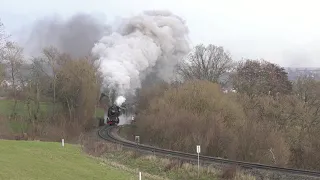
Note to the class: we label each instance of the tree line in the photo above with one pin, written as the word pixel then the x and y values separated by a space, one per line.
pixel 69 86
pixel 264 117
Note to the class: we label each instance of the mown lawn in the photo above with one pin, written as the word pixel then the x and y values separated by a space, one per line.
pixel 31 160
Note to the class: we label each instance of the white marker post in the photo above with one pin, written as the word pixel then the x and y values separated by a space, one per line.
pixel 198 152
pixel 62 142
pixel 137 139
pixel 139 175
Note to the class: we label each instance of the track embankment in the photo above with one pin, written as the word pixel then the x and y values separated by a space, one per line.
pixel 110 134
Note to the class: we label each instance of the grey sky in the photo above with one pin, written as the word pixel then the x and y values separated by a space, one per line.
pixel 286 32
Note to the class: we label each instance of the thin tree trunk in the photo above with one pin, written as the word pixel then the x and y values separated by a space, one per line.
pixel 69 108
pixel 14 89
pixel 54 94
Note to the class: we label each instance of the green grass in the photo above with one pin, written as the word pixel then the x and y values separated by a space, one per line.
pixel 30 160
pixel 6 107
pixel 99 112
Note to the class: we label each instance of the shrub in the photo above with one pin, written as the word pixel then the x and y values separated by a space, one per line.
pixel 198 112
pixel 195 113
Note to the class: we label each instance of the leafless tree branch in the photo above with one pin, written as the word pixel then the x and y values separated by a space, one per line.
pixel 205 63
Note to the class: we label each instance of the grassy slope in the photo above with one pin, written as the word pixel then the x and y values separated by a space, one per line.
pixel 45 160
pixel 6 108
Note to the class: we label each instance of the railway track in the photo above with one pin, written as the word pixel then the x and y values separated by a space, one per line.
pixel 107 133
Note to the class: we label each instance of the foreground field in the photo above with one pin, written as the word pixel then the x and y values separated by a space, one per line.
pixel 30 160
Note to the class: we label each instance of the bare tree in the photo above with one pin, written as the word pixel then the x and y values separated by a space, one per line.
pixel 51 58
pixel 13 59
pixel 255 77
pixel 307 88
pixel 205 63
pixel 2 73
pixel 77 89
pixel 3 36
pixel 38 84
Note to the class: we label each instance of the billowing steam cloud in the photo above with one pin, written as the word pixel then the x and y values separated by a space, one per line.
pixel 150 42
pixel 120 100
pixel 75 36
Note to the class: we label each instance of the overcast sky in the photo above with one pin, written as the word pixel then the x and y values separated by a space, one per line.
pixel 286 32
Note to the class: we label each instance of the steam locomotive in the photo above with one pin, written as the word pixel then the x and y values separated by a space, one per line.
pixel 111 117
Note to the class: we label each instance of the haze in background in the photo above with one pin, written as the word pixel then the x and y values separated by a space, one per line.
pixel 284 32
pixel 75 35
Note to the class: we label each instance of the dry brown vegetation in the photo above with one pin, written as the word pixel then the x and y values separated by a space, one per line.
pixel 70 93
pixel 265 129
pixel 69 87
pixel 270 120
pixel 153 167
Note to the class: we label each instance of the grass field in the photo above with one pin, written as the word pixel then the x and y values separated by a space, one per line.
pixel 30 160
pixel 6 107
pixel 22 110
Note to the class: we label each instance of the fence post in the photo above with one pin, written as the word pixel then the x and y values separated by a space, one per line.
pixel 137 139
pixel 198 152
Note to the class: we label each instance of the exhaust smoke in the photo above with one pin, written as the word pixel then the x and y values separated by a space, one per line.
pixel 120 100
pixel 151 42
pixel 75 35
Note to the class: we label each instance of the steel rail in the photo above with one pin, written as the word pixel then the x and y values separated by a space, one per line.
pixel 106 134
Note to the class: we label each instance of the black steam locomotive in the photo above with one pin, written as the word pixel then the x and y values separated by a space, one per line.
pixel 113 115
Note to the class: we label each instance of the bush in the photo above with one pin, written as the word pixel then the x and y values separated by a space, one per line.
pixel 170 119
pixel 198 112
pixel 291 122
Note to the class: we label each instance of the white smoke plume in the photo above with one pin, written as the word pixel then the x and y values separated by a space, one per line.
pixel 120 100
pixel 125 119
pixel 153 41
